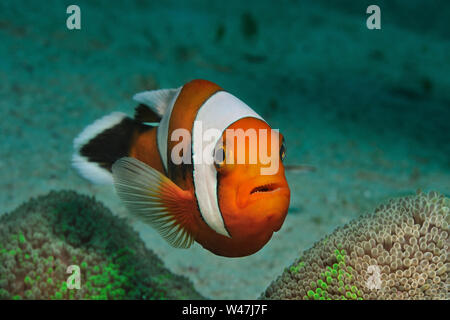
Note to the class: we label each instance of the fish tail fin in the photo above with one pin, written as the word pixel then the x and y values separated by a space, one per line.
pixel 102 143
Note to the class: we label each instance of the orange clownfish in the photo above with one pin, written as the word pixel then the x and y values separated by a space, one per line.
pixel 213 188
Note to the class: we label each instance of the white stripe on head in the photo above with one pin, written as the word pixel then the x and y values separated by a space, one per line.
pixel 217 113
pixel 163 131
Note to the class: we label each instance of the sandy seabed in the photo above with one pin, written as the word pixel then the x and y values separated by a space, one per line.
pixel 370 110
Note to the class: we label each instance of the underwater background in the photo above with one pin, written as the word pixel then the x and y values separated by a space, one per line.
pixel 369 110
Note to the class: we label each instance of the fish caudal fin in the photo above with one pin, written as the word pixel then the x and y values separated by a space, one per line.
pixel 155 199
pixel 100 144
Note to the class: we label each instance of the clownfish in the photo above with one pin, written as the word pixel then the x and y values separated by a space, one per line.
pixel 166 177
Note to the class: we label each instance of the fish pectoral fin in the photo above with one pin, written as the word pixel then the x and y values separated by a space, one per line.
pixel 155 199
pixel 300 167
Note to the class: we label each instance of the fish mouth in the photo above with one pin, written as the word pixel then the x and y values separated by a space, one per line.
pixel 259 190
pixel 265 188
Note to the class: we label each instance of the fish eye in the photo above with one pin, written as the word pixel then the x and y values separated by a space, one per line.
pixel 283 150
pixel 219 157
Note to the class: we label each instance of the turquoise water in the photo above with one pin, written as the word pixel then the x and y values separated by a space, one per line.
pixel 369 109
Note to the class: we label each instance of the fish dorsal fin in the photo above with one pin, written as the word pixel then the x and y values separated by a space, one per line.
pixel 155 199
pixel 158 100
pixel 143 113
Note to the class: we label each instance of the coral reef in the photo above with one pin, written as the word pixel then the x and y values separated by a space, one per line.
pixel 41 238
pixel 398 252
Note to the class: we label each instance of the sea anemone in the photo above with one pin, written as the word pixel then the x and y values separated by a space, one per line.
pixel 43 237
pixel 398 252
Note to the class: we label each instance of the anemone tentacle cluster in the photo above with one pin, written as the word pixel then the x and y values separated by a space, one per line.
pixel 43 237
pixel 401 251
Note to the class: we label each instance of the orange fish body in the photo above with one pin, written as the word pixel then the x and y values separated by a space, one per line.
pixel 227 205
